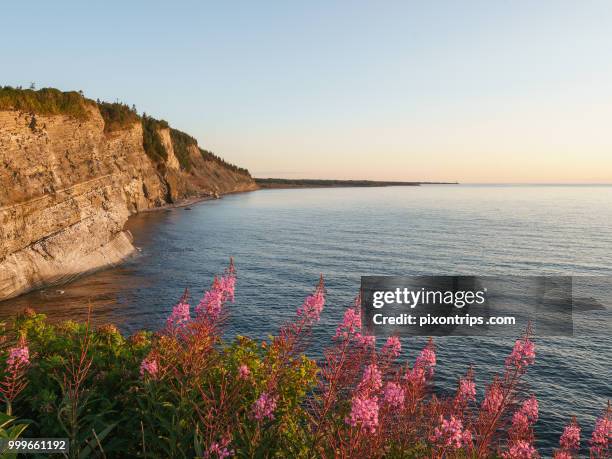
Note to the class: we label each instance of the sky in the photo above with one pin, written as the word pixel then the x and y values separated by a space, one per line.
pixel 473 91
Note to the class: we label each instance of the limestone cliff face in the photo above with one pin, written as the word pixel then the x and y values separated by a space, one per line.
pixel 67 188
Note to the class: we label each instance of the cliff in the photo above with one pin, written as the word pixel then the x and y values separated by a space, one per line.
pixel 73 171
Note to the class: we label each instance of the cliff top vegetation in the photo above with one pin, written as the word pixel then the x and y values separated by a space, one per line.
pixel 45 101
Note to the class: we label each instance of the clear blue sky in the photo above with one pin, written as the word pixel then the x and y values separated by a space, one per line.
pixel 510 91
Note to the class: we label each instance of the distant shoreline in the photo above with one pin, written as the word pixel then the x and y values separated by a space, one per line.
pixel 268 183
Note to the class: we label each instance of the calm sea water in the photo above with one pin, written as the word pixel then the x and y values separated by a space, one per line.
pixel 282 239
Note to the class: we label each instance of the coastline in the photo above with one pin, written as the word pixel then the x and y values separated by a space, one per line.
pixel 280 183
pixel 181 203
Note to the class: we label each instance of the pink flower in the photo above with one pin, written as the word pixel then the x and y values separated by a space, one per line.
pixel 18 357
pixel 415 376
pixel 365 340
pixel 264 407
pixel 423 366
pixel 450 433
pixel 467 390
pixel 364 413
pixel 393 347
pixel 520 422
pixel 394 395
pixel 562 455
pixel 521 450
pixel 493 399
pixel 570 439
pixel 313 306
pixel 219 450
pixel 243 371
pixel 523 354
pixel 371 381
pixel 427 358
pixel 211 303
pixel 227 286
pixel 13 381
pixel 149 367
pixel 600 440
pixel 530 409
pixel 179 316
pixel 351 323
pixel 222 290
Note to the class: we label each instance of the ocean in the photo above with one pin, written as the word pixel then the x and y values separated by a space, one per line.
pixel 282 240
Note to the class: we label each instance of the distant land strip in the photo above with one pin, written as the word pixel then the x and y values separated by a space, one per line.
pixel 317 183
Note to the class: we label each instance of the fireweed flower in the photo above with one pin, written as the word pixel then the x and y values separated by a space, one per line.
pixel 467 390
pixel 18 357
pixel 427 358
pixel 523 354
pixel 312 307
pixel 423 366
pixel 364 413
pixel 149 367
pixel 570 439
pixel 600 440
pixel 13 380
pixel 371 381
pixel 227 285
pixel 493 399
pixel 243 371
pixel 351 323
pixel 222 290
pixel 211 303
pixel 530 409
pixel 526 416
pixel 415 376
pixel 521 450
pixel 219 450
pixel 520 422
pixel 365 340
pixel 393 347
pixel 264 407
pixel 180 315
pixel 394 395
pixel 450 433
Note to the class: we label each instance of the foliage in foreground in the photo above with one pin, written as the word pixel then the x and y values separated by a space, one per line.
pixel 183 392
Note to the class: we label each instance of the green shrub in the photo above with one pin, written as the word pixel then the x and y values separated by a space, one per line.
pixel 117 116
pixel 151 140
pixel 181 143
pixel 210 156
pixel 46 101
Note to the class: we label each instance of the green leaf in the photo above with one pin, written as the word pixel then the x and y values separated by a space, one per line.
pixel 86 452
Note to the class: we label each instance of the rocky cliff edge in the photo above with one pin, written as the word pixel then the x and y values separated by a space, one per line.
pixel 69 181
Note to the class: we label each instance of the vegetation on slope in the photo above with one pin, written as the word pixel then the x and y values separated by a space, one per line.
pixel 117 116
pixel 46 101
pixel 151 140
pixel 181 143
pixel 210 156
